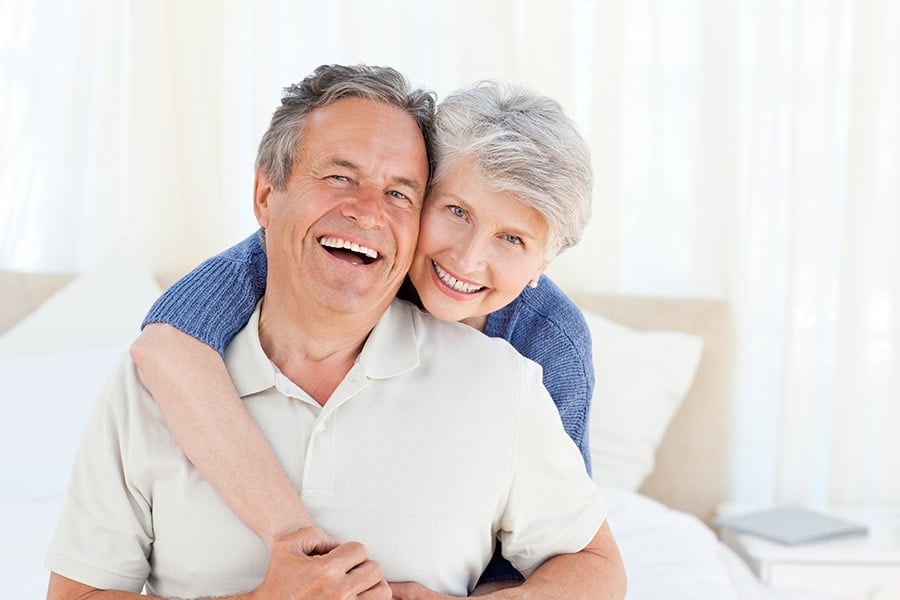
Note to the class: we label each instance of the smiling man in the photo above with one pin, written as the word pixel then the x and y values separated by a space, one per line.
pixel 359 183
pixel 424 440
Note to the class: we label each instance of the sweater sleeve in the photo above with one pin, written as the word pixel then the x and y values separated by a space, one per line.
pixel 569 377
pixel 544 325
pixel 215 300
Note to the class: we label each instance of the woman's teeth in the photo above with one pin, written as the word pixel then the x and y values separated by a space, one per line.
pixel 453 283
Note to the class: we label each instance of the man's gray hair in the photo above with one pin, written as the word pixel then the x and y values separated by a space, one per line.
pixel 279 148
pixel 523 144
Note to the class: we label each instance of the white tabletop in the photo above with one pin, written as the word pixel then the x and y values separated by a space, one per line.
pixel 881 543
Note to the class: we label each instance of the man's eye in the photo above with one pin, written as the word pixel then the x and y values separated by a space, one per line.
pixel 338 178
pixel 458 212
pixel 398 195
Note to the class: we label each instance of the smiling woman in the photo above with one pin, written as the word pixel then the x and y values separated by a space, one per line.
pixel 511 189
pixel 478 248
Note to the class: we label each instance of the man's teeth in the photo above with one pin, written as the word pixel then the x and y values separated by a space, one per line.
pixel 333 242
pixel 453 282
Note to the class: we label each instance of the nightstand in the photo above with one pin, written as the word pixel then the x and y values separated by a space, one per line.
pixel 851 568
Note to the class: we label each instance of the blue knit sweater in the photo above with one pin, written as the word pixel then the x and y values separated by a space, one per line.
pixel 213 302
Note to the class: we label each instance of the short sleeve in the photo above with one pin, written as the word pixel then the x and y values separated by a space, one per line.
pixel 215 300
pixel 553 506
pixel 104 535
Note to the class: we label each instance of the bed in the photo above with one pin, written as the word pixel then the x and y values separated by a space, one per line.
pixel 659 428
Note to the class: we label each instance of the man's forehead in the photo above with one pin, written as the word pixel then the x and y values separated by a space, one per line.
pixel 357 133
pixel 358 110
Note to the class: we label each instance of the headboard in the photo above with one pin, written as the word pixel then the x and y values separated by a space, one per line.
pixel 691 471
pixel 693 459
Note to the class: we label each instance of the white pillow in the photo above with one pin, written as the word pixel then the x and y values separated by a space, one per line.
pixel 641 379
pixel 101 308
pixel 53 365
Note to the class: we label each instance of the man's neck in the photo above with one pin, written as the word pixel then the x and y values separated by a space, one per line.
pixel 313 347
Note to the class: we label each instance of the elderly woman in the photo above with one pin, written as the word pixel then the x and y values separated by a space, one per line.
pixel 511 189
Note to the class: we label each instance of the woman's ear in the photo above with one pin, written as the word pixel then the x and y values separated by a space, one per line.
pixel 533 282
pixel 262 189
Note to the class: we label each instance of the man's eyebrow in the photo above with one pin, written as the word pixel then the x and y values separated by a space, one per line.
pixel 413 184
pixel 341 162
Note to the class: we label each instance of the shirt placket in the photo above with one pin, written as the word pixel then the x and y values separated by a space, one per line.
pixel 324 443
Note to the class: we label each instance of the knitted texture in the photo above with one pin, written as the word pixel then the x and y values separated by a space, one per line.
pixel 215 300
pixel 543 324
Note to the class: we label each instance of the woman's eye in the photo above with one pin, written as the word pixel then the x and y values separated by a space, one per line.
pixel 458 212
pixel 338 178
pixel 513 239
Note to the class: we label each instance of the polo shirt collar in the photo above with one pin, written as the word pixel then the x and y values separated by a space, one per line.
pixel 390 350
pixel 250 369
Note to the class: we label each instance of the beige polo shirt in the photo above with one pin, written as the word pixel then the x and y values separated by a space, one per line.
pixel 438 441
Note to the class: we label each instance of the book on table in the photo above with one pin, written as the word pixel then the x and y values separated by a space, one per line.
pixel 791 525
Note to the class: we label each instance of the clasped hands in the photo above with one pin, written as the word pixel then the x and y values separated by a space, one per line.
pixel 310 564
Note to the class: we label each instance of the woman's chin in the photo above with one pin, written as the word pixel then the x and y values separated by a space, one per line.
pixel 444 314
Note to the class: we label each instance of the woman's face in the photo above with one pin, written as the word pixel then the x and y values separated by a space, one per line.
pixel 477 248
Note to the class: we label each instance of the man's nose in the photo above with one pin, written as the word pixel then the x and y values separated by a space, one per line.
pixel 366 206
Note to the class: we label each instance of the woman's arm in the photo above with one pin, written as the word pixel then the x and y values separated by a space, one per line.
pixel 595 573
pixel 187 377
pixel 201 407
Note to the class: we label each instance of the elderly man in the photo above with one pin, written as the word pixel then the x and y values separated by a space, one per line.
pixel 394 424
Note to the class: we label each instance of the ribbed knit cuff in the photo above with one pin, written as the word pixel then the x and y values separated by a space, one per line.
pixel 211 303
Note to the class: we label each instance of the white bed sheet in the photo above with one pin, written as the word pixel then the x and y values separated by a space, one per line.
pixel 672 555
pixel 669 555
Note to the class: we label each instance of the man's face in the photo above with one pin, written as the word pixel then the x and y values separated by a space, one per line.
pixel 343 231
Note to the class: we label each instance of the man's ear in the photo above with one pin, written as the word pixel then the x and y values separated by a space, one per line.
pixel 262 190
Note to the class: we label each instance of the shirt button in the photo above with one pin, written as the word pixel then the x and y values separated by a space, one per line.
pixel 321 427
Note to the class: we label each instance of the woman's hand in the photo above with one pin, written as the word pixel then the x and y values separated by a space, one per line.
pixel 409 590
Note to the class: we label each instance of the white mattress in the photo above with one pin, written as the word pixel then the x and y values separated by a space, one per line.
pixel 668 554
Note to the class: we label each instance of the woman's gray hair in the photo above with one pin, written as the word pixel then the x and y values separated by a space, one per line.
pixel 280 148
pixel 523 144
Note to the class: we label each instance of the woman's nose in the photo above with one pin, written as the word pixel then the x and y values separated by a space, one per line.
pixel 471 254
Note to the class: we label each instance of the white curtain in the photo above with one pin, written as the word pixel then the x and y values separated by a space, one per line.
pixel 743 149
pixel 818 287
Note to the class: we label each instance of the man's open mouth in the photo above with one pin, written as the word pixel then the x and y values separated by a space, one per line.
pixel 349 251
